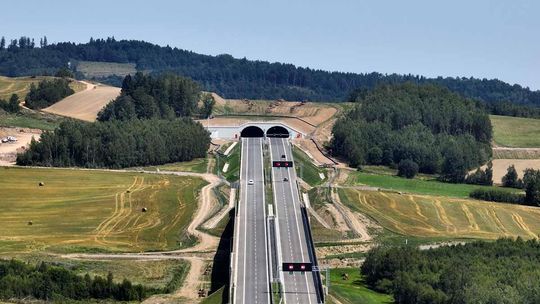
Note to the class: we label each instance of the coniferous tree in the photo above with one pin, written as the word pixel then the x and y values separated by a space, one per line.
pixel 510 179
pixel 2 43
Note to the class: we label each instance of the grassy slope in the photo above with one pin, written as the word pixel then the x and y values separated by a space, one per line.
pixel 21 85
pixel 80 210
pixel 305 169
pixel 416 185
pixel 197 165
pixel 100 69
pixel 233 172
pixel 515 131
pixel 442 217
pixel 30 119
pixel 353 290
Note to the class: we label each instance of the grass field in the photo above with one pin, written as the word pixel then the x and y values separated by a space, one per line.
pixel 233 171
pixel 353 290
pixel 79 210
pixel 197 165
pixel 92 69
pixel 21 85
pixel 516 131
pixel 416 185
pixel 305 169
pixel 441 217
pixel 30 119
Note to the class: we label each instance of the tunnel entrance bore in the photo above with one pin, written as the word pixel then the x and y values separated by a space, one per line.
pixel 277 131
pixel 252 131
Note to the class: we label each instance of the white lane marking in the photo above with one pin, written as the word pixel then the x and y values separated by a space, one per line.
pixel 264 221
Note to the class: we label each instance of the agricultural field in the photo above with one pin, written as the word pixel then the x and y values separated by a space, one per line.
pixel 419 185
pixel 306 170
pixel 347 286
pixel 442 217
pixel 21 85
pixel 91 69
pixel 516 131
pixel 94 211
pixel 85 105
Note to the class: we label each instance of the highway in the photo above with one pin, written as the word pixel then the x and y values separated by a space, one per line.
pixel 251 272
pixel 291 232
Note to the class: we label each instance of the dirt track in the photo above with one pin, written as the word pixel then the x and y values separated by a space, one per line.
pixel 85 105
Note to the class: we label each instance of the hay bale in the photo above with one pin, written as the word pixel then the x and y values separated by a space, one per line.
pixel 30 223
pixel 41 184
pixel 144 209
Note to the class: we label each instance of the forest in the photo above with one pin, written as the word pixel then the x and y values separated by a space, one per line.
pixel 118 144
pixel 143 96
pixel 503 271
pixel 233 77
pixel 53 283
pixel 47 93
pixel 439 131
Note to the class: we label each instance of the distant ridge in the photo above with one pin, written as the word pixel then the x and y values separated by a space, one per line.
pixel 239 78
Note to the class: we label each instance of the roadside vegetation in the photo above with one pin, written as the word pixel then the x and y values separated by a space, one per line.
pixel 306 169
pixel 233 159
pixel 197 165
pixel 110 204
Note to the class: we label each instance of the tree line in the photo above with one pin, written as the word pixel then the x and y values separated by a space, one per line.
pixel 504 271
pixel 53 283
pixel 434 130
pixel 166 96
pixel 239 77
pixel 530 183
pixel 48 92
pixel 118 144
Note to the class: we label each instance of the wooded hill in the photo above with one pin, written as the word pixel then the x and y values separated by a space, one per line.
pixel 434 129
pixel 236 78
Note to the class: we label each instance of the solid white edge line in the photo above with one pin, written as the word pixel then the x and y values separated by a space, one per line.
pixel 245 225
pixel 237 240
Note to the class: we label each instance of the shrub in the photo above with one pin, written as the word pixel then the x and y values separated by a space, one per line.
pixel 496 195
pixel 407 168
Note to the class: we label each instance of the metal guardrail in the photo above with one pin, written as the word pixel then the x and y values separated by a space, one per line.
pixel 309 238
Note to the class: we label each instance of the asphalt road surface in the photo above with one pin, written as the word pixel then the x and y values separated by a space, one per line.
pixel 251 274
pixel 297 287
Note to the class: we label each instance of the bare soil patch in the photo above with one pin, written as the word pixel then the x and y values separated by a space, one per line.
pixel 85 105
pixel 8 151
pixel 501 165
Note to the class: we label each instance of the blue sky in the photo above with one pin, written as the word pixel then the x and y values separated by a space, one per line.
pixel 480 38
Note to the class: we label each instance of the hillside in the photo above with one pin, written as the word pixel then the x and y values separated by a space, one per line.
pixel 21 85
pixel 238 78
pixel 85 105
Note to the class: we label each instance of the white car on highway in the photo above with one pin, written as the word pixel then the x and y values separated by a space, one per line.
pixel 250 182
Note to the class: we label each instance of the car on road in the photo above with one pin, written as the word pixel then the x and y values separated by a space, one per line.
pixel 250 182
pixel 285 179
pixel 283 156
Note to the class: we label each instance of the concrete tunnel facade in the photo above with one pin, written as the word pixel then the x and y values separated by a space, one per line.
pixel 254 129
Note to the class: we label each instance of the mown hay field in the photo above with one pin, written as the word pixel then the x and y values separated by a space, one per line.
pixel 433 216
pixel 86 210
pixel 516 131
